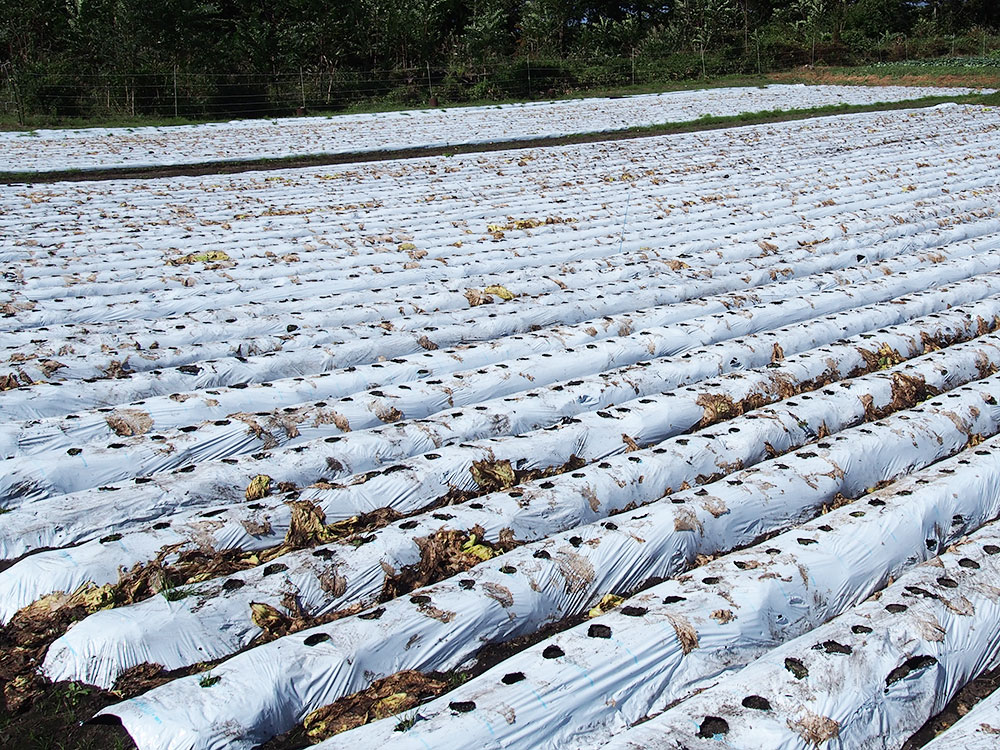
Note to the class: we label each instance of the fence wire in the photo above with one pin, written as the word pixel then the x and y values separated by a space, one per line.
pixel 177 93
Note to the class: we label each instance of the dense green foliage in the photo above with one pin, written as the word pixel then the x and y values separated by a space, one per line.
pixel 191 57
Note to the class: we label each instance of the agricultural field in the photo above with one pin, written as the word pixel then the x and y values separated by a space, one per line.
pixel 688 441
pixel 248 140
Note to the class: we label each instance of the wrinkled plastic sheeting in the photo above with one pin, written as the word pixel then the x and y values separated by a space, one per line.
pixel 563 501
pixel 621 288
pixel 39 479
pixel 869 678
pixel 160 413
pixel 408 303
pixel 267 690
pixel 688 234
pixel 661 646
pixel 862 136
pixel 649 420
pixel 30 527
pixel 327 578
pixel 222 318
pixel 977 730
pixel 668 330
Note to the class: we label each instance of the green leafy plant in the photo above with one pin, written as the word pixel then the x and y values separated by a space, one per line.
pixel 208 679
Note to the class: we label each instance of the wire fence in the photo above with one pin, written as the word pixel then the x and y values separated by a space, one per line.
pixel 39 94
pixel 178 93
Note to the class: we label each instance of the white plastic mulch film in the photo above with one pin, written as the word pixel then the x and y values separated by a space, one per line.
pixel 215 618
pixel 545 581
pixel 416 484
pixel 679 401
pixel 868 678
pixel 231 141
pixel 581 686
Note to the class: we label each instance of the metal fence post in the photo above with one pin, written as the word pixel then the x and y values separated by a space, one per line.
pixel 175 91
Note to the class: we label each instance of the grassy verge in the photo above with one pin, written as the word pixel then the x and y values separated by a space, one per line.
pixel 912 73
pixel 53 723
pixel 312 160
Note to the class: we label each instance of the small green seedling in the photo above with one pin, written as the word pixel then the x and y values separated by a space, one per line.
pixel 408 721
pixel 208 679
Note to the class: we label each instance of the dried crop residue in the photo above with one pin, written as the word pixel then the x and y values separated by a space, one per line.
pixel 815 729
pixel 9 382
pixel 214 259
pixel 577 571
pixel 494 476
pixel 630 445
pixel 250 420
pixel 144 677
pixel 257 528
pixel 477 298
pixel 498 593
pixel 259 488
pixel 274 622
pixel 49 366
pixel 500 291
pixel 882 358
pixel 442 555
pixel 308 527
pixel 985 366
pixel 722 616
pixel 129 422
pixel 388 414
pixel 435 613
pixel 26 638
pixel 118 369
pixel 910 390
pixel 687 636
pixel 930 629
pixel 188 567
pixel 329 416
pixel 716 506
pixel 592 499
pixel 608 602
pixel 497 230
pixel 686 519
pixel 717 408
pixel 386 697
